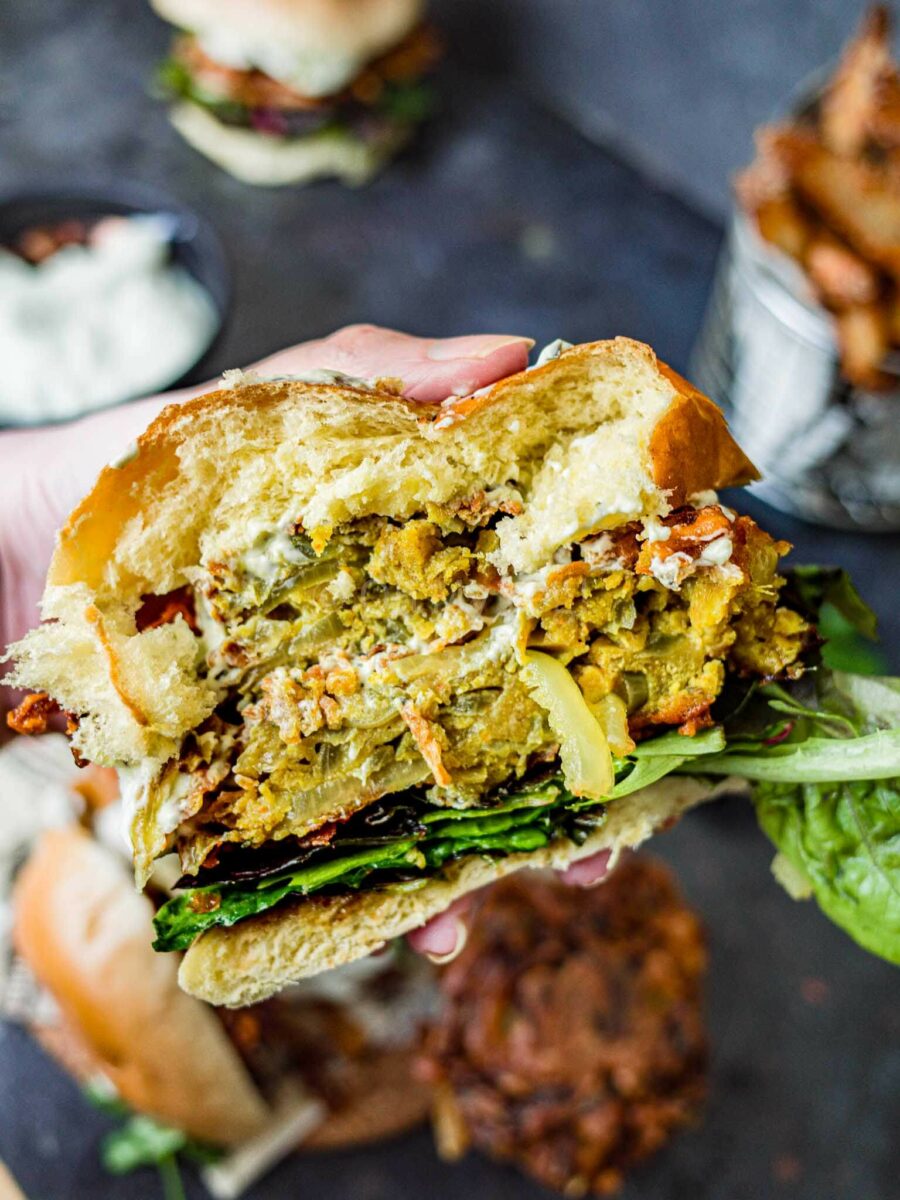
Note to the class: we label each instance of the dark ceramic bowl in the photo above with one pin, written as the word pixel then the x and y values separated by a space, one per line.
pixel 195 245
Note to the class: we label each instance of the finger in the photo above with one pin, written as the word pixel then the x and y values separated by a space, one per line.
pixel 445 935
pixel 460 366
pixel 431 369
pixel 589 871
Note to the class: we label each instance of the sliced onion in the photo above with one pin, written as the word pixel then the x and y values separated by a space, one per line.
pixel 612 714
pixel 584 750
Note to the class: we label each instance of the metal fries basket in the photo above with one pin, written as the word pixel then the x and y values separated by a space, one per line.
pixel 828 451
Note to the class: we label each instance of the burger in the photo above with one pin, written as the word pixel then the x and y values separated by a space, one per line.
pixel 285 91
pixel 355 658
pixel 325 1065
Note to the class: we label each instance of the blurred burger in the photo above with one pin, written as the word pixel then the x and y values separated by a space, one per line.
pixel 326 1064
pixel 285 91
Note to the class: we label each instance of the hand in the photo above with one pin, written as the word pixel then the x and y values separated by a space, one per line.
pixel 444 936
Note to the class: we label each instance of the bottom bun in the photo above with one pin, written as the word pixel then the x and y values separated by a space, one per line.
pixel 275 162
pixel 259 956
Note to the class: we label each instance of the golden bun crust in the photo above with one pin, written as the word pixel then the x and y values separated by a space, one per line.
pixel 85 933
pixel 691 447
pixel 259 956
pixel 356 30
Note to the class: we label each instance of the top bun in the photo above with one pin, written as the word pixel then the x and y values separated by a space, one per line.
pixel 601 435
pixel 343 35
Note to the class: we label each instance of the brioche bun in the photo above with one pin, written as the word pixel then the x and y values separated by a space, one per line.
pixel 641 439
pixel 86 934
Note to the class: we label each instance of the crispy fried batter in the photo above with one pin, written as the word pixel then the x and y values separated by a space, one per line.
pixel 852 108
pixel 572 1042
pixel 163 610
pixel 825 189
pixel 33 715
pixel 428 742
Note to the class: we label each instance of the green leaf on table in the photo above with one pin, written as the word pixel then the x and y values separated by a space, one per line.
pixel 844 839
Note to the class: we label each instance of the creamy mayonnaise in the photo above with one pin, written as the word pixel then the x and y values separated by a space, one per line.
pixel 100 323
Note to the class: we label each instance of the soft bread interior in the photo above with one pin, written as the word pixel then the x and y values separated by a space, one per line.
pixel 602 434
pixel 239 966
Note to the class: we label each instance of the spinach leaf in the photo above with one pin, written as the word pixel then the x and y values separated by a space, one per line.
pixel 523 822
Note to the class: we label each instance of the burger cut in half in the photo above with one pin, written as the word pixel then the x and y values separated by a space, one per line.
pixel 286 91
pixel 355 657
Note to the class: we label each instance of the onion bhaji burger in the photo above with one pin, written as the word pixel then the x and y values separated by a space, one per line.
pixel 572 1040
pixel 355 658
pixel 286 91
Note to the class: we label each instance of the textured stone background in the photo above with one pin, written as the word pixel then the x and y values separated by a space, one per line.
pixel 504 218
pixel 678 85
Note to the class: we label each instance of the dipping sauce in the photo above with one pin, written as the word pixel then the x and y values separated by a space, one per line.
pixel 103 316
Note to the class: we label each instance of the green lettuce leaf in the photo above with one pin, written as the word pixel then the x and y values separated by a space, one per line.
pixel 814 760
pixel 844 838
pixel 824 756
pixel 408 103
pixel 828 598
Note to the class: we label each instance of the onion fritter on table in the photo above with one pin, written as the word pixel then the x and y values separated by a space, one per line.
pixel 573 1041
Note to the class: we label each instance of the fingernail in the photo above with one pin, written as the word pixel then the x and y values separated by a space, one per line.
pixel 462 936
pixel 473 347
pixel 601 879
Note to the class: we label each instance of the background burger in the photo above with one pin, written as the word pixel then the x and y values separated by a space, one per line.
pixel 324 1065
pixel 284 91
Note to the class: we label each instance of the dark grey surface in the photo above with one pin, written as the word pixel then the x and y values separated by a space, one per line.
pixel 506 219
pixel 680 85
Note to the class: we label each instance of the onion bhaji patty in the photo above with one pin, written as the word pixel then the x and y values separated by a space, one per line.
pixel 573 1041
